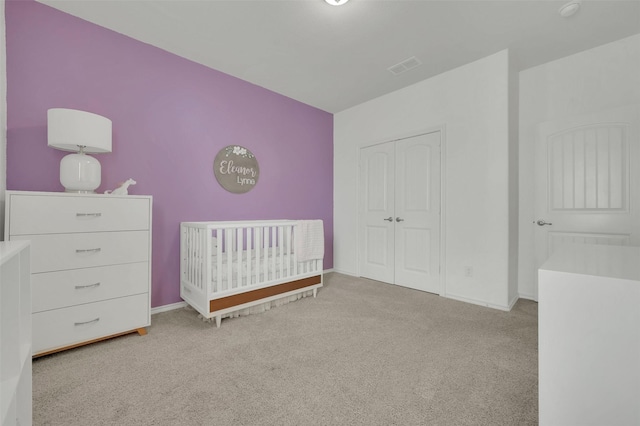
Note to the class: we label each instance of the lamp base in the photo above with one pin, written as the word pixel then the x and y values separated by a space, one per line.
pixel 80 173
pixel 73 191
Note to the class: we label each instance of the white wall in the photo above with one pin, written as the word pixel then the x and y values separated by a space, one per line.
pixel 3 117
pixel 472 103
pixel 514 94
pixel 595 80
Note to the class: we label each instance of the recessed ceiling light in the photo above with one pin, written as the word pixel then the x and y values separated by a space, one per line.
pixel 569 9
pixel 336 2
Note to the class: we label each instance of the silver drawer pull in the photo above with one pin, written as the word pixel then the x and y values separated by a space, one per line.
pixel 86 322
pixel 88 214
pixel 94 250
pixel 78 287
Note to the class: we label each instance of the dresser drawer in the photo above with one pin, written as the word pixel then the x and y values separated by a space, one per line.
pixel 37 214
pixel 53 290
pixel 68 326
pixel 58 252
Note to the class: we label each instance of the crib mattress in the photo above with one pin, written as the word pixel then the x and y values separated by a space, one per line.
pixel 272 266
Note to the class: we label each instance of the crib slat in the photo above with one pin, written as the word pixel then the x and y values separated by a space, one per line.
pixel 258 244
pixel 265 254
pixel 187 261
pixel 249 254
pixel 273 252
pixel 194 255
pixel 203 244
pixel 198 258
pixel 193 247
pixel 220 240
pixel 287 251
pixel 205 235
pixel 280 273
pixel 197 276
pixel 228 250
pixel 295 255
pixel 239 247
pixel 186 257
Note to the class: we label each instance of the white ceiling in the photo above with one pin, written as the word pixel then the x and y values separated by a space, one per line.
pixel 336 57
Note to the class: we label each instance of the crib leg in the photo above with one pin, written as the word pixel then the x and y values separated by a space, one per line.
pixel 218 320
pixel 315 291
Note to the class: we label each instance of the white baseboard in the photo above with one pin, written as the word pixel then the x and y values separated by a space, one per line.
pixel 478 302
pixel 169 307
pixel 528 296
pixel 460 298
pixel 349 273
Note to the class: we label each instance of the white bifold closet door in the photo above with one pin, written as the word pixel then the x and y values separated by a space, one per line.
pixel 400 212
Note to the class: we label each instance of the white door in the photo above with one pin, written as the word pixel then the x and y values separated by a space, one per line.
pixel 401 212
pixel 587 181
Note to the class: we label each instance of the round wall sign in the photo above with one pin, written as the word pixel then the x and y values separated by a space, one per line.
pixel 236 169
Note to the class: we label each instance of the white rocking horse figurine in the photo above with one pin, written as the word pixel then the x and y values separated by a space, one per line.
pixel 122 189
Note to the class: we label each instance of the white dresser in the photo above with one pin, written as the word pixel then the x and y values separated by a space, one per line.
pixel 90 264
pixel 589 336
pixel 15 334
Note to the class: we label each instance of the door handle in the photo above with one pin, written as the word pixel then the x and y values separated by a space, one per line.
pixel 389 219
pixel 399 220
pixel 541 222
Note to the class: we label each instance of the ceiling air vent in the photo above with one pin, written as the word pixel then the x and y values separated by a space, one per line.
pixel 405 65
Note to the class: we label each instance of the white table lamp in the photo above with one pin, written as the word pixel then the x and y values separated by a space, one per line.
pixel 80 132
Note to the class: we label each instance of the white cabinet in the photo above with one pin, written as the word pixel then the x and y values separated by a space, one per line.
pixel 90 264
pixel 15 334
pixel 589 336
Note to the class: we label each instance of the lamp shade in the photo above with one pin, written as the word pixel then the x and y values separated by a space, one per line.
pixel 69 129
pixel 79 132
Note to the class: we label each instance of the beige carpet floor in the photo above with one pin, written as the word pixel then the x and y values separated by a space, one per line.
pixel 361 353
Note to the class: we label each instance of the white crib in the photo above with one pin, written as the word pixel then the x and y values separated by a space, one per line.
pixel 226 267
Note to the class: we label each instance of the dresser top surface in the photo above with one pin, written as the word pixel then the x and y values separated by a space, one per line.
pixel 73 194
pixel 8 249
pixel 621 262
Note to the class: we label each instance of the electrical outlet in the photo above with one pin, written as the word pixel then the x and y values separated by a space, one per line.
pixel 468 271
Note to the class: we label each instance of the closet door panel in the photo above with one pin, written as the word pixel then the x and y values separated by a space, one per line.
pixel 377 164
pixel 417 208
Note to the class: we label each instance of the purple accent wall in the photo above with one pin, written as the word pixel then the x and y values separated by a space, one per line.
pixel 170 118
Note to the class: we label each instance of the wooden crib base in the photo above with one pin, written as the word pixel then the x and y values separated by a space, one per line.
pixel 219 307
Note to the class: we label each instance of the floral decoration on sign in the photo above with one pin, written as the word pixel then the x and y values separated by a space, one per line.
pixel 238 150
